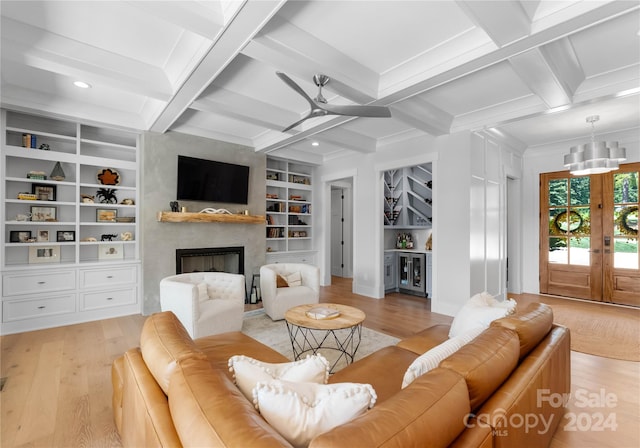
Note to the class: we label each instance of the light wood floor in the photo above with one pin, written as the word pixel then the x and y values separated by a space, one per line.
pixel 58 387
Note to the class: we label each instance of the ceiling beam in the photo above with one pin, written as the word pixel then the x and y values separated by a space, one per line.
pixel 237 33
pixel 504 22
pixel 259 113
pixel 188 15
pixel 420 114
pixel 552 72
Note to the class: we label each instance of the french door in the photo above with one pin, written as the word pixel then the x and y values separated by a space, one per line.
pixel 589 235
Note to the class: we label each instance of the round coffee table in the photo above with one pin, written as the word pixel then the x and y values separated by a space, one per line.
pixel 341 334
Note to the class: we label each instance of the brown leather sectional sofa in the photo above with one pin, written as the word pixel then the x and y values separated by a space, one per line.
pixel 497 391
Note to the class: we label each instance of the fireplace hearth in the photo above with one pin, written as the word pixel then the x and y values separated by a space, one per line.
pixel 210 259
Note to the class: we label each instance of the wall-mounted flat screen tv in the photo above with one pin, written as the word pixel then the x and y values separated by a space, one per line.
pixel 208 180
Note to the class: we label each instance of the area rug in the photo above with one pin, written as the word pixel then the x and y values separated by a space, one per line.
pixel 274 334
pixel 601 330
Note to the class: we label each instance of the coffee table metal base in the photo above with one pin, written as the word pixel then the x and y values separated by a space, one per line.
pixel 345 341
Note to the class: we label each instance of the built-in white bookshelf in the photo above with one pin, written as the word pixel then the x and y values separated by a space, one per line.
pixel 289 211
pixel 56 227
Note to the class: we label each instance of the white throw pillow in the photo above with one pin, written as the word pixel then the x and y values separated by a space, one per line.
pixel 203 294
pixel 247 372
pixel 302 411
pixel 479 312
pixel 432 358
pixel 294 279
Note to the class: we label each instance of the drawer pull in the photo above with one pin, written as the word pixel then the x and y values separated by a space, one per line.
pixel 41 283
pixel 109 276
pixel 109 298
pixel 41 307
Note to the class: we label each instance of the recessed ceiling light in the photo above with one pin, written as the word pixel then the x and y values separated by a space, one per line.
pixel 82 84
pixel 315 144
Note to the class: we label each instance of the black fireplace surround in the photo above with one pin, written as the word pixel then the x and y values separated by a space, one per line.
pixel 210 259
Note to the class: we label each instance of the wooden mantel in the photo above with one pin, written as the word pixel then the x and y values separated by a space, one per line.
pixel 210 217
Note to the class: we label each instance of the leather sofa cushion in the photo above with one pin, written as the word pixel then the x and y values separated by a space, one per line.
pixel 164 341
pixel 430 412
pixel 383 369
pixel 425 340
pixel 486 363
pixel 208 410
pixel 532 325
pixel 220 347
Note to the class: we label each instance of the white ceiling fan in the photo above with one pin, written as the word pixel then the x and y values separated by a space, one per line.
pixel 320 108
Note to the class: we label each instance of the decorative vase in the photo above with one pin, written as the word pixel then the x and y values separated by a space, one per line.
pixel 57 173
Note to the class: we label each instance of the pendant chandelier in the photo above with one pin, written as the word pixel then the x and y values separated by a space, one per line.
pixel 594 157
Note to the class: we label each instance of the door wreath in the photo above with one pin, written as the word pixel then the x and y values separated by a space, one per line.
pixel 625 224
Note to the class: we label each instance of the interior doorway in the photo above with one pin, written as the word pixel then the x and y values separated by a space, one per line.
pixel 589 235
pixel 341 229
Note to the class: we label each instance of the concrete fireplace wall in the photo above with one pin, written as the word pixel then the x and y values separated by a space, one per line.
pixel 159 241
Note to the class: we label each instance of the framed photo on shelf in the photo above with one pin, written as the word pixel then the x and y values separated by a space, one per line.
pixel 106 215
pixel 44 192
pixel 64 236
pixel 44 254
pixel 42 236
pixel 19 236
pixel 111 251
pixel 43 214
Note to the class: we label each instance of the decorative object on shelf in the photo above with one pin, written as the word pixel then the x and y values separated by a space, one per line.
pixel 108 176
pixel 46 214
pixel 37 175
pixel 87 198
pixel 128 201
pixel 44 192
pixel 89 239
pixel 57 173
pixel 126 219
pixel 44 147
pixel 108 236
pixel 44 254
pixel 594 157
pixel 175 207
pixel 19 236
pixel 42 236
pixel 126 236
pixel 215 211
pixel 430 184
pixel 107 195
pixel 429 244
pixel 27 196
pixel 21 217
pixel 65 236
pixel 111 252
pixel 106 215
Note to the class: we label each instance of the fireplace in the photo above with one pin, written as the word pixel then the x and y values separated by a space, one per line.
pixel 210 259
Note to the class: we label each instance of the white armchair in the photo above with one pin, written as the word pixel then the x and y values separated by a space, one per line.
pixel 277 301
pixel 205 302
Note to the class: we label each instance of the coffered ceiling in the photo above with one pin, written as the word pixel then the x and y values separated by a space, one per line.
pixel 530 71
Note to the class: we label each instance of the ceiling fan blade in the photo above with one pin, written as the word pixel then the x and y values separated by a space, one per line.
pixel 357 111
pixel 291 83
pixel 296 123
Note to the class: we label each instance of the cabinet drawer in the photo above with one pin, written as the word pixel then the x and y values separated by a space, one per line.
pixel 33 308
pixel 33 282
pixel 91 278
pixel 107 299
